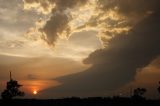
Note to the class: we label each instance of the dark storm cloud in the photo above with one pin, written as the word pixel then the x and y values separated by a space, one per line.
pixel 59 20
pixel 129 13
pixel 130 6
pixel 116 65
pixel 156 62
pixel 133 9
pixel 57 24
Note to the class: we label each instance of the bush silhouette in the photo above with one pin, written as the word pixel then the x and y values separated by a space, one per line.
pixel 139 92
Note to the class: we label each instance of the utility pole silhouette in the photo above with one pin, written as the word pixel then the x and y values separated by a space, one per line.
pixel 10 75
pixel 12 89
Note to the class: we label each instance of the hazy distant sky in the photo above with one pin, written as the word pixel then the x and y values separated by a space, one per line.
pixel 65 48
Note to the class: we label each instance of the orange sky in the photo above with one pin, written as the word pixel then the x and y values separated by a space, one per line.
pixel 51 43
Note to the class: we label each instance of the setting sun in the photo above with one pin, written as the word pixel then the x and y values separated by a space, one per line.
pixel 35 92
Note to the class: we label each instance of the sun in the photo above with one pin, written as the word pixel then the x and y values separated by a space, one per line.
pixel 35 92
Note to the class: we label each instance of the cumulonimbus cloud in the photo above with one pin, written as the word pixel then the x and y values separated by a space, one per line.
pixel 116 64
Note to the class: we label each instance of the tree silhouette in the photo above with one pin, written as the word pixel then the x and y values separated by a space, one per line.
pixel 12 89
pixel 139 92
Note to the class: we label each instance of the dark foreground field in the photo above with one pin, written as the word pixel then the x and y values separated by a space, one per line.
pixel 98 101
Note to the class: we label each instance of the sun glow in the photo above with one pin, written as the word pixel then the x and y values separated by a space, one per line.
pixel 35 92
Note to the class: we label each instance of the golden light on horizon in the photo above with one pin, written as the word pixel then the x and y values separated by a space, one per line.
pixel 35 92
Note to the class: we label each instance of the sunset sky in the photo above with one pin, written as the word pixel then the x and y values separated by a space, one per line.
pixel 64 48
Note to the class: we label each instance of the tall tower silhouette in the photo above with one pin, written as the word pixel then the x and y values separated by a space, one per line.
pixel 12 89
pixel 10 75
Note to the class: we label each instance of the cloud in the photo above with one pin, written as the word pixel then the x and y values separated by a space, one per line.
pixel 108 17
pixel 32 77
pixel 42 6
pixel 129 6
pixel 115 65
pixel 46 6
pixel 59 17
pixel 112 17
pixel 147 77
pixel 128 30
pixel 14 23
pixel 15 18
pixel 55 27
pixel 11 44
pixel 38 68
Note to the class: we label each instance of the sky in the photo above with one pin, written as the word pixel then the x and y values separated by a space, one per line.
pixel 85 48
